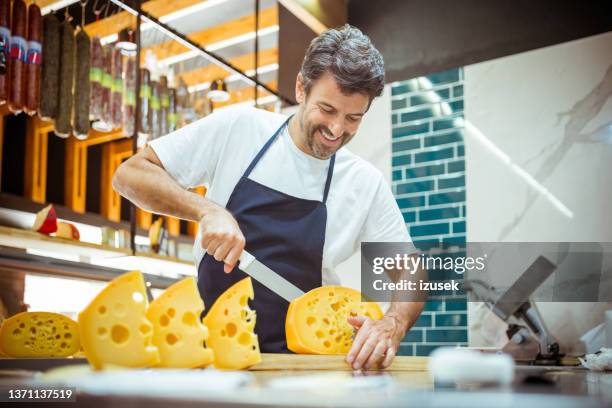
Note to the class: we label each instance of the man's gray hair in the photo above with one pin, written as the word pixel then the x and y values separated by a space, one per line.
pixel 350 57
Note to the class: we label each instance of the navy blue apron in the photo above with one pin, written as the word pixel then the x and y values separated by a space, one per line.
pixel 283 232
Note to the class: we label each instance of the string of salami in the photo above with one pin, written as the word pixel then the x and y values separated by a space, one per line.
pixel 61 74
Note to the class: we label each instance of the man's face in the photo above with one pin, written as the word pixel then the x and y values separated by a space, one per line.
pixel 328 118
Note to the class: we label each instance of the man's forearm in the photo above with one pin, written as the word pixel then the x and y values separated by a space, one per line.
pixel 405 307
pixel 149 187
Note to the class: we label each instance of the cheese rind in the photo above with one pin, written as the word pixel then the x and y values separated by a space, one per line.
pixel 317 321
pixel 113 327
pixel 231 324
pixel 39 334
pixel 178 332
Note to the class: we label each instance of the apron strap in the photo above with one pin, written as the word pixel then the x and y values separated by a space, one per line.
pixel 330 172
pixel 262 151
pixel 265 147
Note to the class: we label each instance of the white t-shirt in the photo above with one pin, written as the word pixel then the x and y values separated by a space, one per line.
pixel 216 150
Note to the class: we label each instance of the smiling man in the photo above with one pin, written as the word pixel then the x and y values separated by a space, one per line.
pixel 285 190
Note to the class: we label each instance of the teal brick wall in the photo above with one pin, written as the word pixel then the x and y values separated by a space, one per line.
pixel 428 180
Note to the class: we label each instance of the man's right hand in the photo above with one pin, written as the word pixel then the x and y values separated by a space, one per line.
pixel 221 236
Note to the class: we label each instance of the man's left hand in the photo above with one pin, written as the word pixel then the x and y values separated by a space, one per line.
pixel 376 341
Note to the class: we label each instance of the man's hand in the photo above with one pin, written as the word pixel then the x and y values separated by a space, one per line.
pixel 221 236
pixel 376 341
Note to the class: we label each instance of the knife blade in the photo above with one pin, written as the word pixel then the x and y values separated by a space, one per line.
pixel 267 277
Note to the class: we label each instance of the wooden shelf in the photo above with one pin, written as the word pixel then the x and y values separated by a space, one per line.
pixel 24 239
pixel 164 258
pixel 18 260
pixel 15 202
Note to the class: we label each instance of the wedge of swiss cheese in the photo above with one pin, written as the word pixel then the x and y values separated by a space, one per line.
pixel 178 332
pixel 114 329
pixel 231 324
pixel 317 321
pixel 39 334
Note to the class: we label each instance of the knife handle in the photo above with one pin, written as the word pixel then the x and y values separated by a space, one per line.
pixel 245 259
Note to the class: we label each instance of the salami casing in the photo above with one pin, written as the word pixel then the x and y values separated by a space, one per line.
pixel 154 109
pixel 116 88
pixel 129 96
pixel 172 112
pixel 145 99
pixel 81 86
pixel 165 102
pixel 18 52
pixel 33 60
pixel 96 71
pixel 63 126
pixel 49 84
pixel 5 43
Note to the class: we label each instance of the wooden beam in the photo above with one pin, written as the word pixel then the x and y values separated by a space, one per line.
pixel 113 154
pixel 157 8
pixel 75 176
pixel 243 62
pixel 318 15
pixel 43 3
pixel 95 137
pixel 221 32
pixel 144 219
pixel 173 225
pixel 35 163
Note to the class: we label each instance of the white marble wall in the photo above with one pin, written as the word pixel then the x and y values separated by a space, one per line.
pixel 539 160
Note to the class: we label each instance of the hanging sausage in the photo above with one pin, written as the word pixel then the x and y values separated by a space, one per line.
pixel 145 98
pixel 33 60
pixel 18 57
pixel 172 116
pixel 49 82
pixel 63 126
pixel 154 109
pixel 165 102
pixel 82 86
pixel 104 124
pixel 116 87
pixel 96 70
pixel 5 41
pixel 129 96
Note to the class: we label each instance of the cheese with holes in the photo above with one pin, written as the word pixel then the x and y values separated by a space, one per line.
pixel 39 334
pixel 113 327
pixel 231 324
pixel 178 332
pixel 317 321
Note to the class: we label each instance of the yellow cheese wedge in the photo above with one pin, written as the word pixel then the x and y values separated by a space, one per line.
pixel 231 323
pixel 178 332
pixel 316 321
pixel 39 334
pixel 113 327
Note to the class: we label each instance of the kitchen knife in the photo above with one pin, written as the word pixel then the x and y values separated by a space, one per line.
pixel 267 277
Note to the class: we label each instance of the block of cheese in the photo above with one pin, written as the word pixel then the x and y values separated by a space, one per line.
pixel 39 334
pixel 113 327
pixel 231 323
pixel 317 321
pixel 178 332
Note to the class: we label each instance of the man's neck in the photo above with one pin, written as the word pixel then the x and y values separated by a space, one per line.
pixel 297 136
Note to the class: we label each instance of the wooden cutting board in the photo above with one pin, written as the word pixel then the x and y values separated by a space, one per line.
pixel 270 361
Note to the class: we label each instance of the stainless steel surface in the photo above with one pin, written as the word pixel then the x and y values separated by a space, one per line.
pixel 267 277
